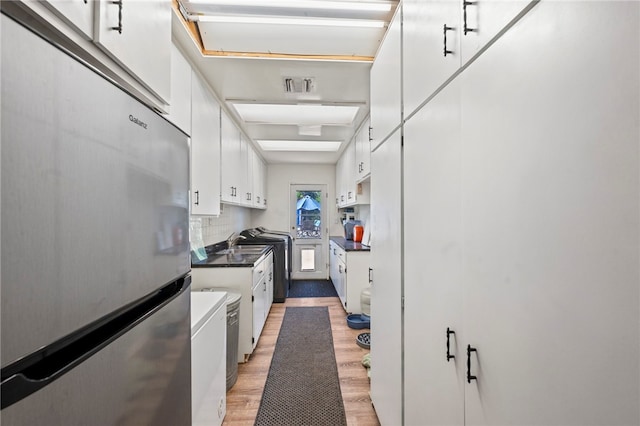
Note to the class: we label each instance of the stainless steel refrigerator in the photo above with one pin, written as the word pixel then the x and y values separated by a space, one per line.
pixel 95 255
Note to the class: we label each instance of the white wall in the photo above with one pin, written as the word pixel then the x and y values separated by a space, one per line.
pixel 211 229
pixel 280 177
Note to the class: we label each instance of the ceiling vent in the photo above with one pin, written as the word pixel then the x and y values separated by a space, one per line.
pixel 299 84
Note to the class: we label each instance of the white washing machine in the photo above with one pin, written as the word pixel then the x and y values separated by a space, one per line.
pixel 208 358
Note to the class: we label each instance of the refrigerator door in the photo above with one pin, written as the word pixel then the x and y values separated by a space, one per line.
pixel 140 378
pixel 94 195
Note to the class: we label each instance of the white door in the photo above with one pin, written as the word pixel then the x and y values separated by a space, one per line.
pixel 309 231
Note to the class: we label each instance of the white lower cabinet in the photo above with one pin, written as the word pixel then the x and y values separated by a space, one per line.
pixel 208 358
pixel 252 283
pixel 521 255
pixel 349 272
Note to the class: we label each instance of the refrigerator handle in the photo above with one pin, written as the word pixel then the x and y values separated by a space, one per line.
pixel 38 369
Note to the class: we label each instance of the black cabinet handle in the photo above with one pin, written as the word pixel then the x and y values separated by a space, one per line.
pixel 466 3
pixel 370 137
pixel 449 356
pixel 119 27
pixel 469 376
pixel 197 203
pixel 370 279
pixel 444 30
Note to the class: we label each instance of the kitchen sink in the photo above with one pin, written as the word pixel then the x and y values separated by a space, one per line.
pixel 242 250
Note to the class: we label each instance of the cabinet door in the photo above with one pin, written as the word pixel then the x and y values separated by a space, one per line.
pixel 258 300
pixel 386 295
pixel 244 173
pixel 142 44
pixel 342 283
pixel 180 109
pixel 340 187
pixel 425 65
pixel 385 84
pixel 269 279
pixel 551 206
pixel 363 152
pixel 230 140
pixel 205 151
pixel 484 19
pixel 257 169
pixel 434 384
pixel 333 265
pixel 77 14
pixel 350 173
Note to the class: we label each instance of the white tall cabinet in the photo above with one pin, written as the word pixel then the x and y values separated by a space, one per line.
pixel 386 285
pixel 520 228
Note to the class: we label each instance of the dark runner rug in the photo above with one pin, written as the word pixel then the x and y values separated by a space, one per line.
pixel 312 288
pixel 302 386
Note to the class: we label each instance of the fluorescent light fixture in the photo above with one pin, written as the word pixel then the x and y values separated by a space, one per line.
pixel 299 145
pixel 303 4
pixel 297 115
pixel 326 22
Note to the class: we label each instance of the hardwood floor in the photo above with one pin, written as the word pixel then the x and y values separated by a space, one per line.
pixel 243 399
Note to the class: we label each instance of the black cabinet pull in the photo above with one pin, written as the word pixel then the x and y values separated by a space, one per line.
pixel 119 27
pixel 449 356
pixel 444 30
pixel 466 3
pixel 197 203
pixel 469 376
pixel 370 137
pixel 370 279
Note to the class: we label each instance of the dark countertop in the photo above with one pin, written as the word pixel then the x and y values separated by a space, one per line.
pixel 349 245
pixel 238 259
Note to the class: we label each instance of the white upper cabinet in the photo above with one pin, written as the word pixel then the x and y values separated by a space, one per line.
pixel 231 154
pixel 431 47
pixel 484 19
pixel 258 181
pixel 363 152
pixel 137 35
pixel 243 172
pixel 180 110
pixel 243 175
pixel 385 85
pixel 77 14
pixel 205 151
pixel 435 43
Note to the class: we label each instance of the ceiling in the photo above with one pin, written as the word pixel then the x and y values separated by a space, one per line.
pixel 284 80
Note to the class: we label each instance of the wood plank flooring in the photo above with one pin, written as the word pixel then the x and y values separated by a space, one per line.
pixel 243 399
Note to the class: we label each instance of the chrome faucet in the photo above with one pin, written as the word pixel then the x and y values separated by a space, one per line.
pixel 234 238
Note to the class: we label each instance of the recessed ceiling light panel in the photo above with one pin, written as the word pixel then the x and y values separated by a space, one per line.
pixel 374 6
pixel 298 115
pixel 299 145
